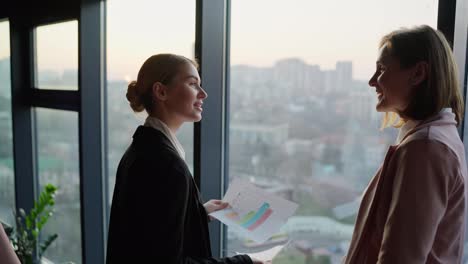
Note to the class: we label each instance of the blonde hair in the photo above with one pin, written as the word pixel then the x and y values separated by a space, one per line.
pixel 440 89
pixel 157 68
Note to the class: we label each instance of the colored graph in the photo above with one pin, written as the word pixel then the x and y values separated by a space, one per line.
pixel 252 219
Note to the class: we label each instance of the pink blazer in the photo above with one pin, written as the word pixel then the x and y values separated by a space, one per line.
pixel 413 210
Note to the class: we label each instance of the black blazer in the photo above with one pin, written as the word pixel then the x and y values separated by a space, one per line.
pixel 157 215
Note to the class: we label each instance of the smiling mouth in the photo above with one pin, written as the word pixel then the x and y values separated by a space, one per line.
pixel 198 106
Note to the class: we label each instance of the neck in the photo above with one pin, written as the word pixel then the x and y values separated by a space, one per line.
pixel 167 119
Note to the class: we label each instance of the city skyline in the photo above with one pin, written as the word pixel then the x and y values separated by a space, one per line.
pixel 318 32
pixel 286 66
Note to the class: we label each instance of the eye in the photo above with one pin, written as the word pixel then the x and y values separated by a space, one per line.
pixel 381 68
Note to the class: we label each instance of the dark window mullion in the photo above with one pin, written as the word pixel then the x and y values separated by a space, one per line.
pixel 24 143
pixel 91 82
pixel 460 49
pixel 55 99
pixel 209 134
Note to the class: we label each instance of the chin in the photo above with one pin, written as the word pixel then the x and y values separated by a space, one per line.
pixel 381 107
pixel 196 118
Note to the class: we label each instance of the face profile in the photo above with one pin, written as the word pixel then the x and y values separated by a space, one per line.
pixel 393 83
pixel 168 88
pixel 183 96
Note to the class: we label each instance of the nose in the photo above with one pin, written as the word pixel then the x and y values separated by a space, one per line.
pixel 202 93
pixel 373 80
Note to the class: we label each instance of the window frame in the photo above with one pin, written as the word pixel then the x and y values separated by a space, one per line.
pixel 87 101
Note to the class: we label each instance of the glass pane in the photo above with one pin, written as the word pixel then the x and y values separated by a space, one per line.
pixel 58 159
pixel 129 43
pixel 303 121
pixel 57 56
pixel 7 177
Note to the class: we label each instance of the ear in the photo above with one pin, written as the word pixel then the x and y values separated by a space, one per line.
pixel 159 91
pixel 419 73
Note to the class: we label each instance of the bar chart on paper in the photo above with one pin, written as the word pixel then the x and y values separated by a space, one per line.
pixel 255 213
pixel 253 219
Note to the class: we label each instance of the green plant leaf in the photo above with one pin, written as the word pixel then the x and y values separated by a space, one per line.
pixel 47 243
pixel 50 188
pixel 28 226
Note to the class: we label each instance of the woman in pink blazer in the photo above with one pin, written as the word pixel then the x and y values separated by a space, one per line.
pixel 7 254
pixel 413 210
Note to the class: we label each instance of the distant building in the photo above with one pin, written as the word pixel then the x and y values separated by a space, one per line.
pixel 362 102
pixel 344 75
pixel 330 81
pixel 259 133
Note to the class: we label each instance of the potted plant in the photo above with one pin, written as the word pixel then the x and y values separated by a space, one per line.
pixel 25 236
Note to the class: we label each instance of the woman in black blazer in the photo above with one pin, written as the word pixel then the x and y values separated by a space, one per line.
pixel 157 215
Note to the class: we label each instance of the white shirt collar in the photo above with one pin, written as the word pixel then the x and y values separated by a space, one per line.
pixel 159 125
pixel 410 124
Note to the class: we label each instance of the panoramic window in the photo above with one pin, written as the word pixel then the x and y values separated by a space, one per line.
pixel 56 54
pixel 59 164
pixel 303 123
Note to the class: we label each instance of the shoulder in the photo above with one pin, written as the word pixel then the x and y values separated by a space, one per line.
pixel 435 141
pixel 429 157
pixel 425 148
pixel 446 135
pixel 152 144
pixel 151 157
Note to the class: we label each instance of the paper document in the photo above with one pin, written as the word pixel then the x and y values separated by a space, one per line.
pixel 252 211
pixel 266 255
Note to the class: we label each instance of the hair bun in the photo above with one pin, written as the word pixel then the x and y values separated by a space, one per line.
pixel 134 97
